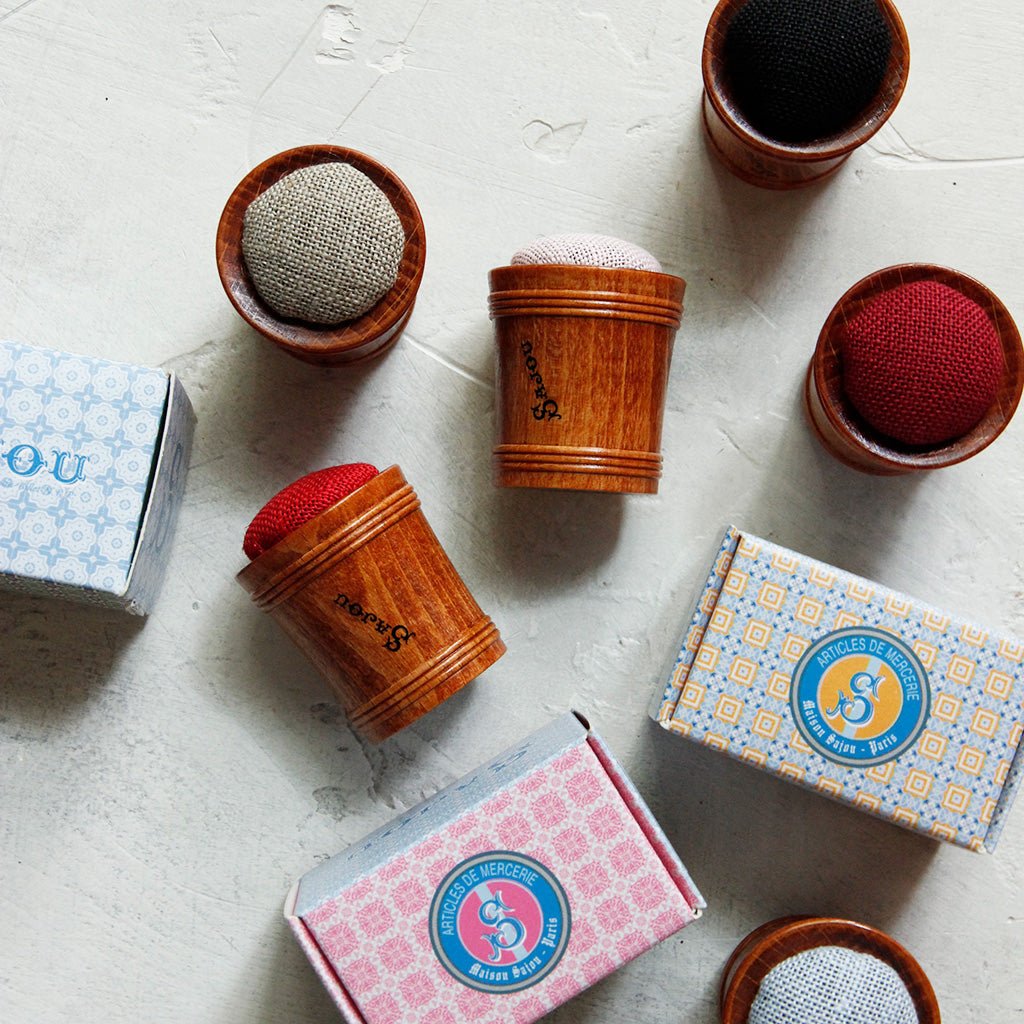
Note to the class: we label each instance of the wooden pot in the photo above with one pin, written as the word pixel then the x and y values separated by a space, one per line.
pixel 583 363
pixel 853 441
pixel 768 946
pixel 368 594
pixel 769 163
pixel 354 341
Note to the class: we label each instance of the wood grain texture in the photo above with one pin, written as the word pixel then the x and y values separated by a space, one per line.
pixel 768 946
pixel 368 594
pixel 583 364
pixel 367 336
pixel 767 162
pixel 848 436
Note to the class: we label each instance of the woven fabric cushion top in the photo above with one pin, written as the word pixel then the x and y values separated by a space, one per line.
pixel 580 250
pixel 323 244
pixel 302 501
pixel 832 985
pixel 801 70
pixel 921 363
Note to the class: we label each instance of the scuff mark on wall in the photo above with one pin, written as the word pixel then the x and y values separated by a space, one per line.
pixel 390 57
pixel 339 32
pixel 332 801
pixel 632 36
pixel 891 147
pixel 554 144
pixel 11 13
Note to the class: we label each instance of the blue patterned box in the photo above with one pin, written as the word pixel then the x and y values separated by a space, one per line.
pixel 853 690
pixel 93 456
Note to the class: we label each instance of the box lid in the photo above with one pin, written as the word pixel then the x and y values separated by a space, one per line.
pixel 77 443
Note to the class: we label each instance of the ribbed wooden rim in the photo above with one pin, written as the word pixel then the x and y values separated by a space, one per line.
pixel 664 311
pixel 840 144
pixel 357 340
pixel 751 175
pixel 270 584
pixel 458 656
pixel 845 433
pixel 620 292
pixel 535 458
pixel 768 946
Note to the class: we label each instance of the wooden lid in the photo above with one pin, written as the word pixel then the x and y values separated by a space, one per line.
pixel 366 336
pixel 768 946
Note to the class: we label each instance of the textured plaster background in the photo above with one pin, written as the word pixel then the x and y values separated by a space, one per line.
pixel 163 783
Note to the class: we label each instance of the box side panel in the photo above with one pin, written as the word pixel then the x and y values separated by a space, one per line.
pixel 664 704
pixel 1010 787
pixel 163 503
pixel 418 823
pixel 344 1002
pixel 648 824
pixel 48 588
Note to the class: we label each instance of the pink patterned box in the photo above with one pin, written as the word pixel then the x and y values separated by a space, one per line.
pixel 501 897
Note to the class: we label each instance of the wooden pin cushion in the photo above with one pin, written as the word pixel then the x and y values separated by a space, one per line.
pixel 363 338
pixel 853 441
pixel 582 370
pixel 770 163
pixel 368 594
pixel 771 944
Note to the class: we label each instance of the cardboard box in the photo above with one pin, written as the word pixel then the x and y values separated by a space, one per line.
pixel 93 457
pixel 499 898
pixel 852 690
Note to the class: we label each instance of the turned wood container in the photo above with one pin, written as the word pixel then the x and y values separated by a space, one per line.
pixel 853 441
pixel 771 163
pixel 771 944
pixel 368 594
pixel 582 369
pixel 354 341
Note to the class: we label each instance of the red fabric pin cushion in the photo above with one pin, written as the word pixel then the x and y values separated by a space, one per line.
pixel 302 501
pixel 921 363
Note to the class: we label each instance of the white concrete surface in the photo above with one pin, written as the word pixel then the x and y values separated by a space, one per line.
pixel 162 783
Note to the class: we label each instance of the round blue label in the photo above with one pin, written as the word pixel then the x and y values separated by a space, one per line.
pixel 860 696
pixel 499 922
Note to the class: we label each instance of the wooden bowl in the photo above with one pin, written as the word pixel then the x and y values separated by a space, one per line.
pixel 355 340
pixel 768 946
pixel 367 593
pixel 769 163
pixel 844 432
pixel 583 363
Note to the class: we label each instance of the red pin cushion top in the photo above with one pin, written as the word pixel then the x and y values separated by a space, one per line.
pixel 921 363
pixel 302 501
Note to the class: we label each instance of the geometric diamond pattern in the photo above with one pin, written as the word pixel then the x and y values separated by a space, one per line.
pixel 955 782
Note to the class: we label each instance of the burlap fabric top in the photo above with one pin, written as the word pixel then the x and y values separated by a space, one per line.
pixel 578 250
pixel 801 70
pixel 922 363
pixel 323 244
pixel 832 985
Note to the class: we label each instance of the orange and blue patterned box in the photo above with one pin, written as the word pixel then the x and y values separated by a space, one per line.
pixel 853 690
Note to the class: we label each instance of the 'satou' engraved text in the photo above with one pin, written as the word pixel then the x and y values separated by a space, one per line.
pixel 546 407
pixel 394 635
